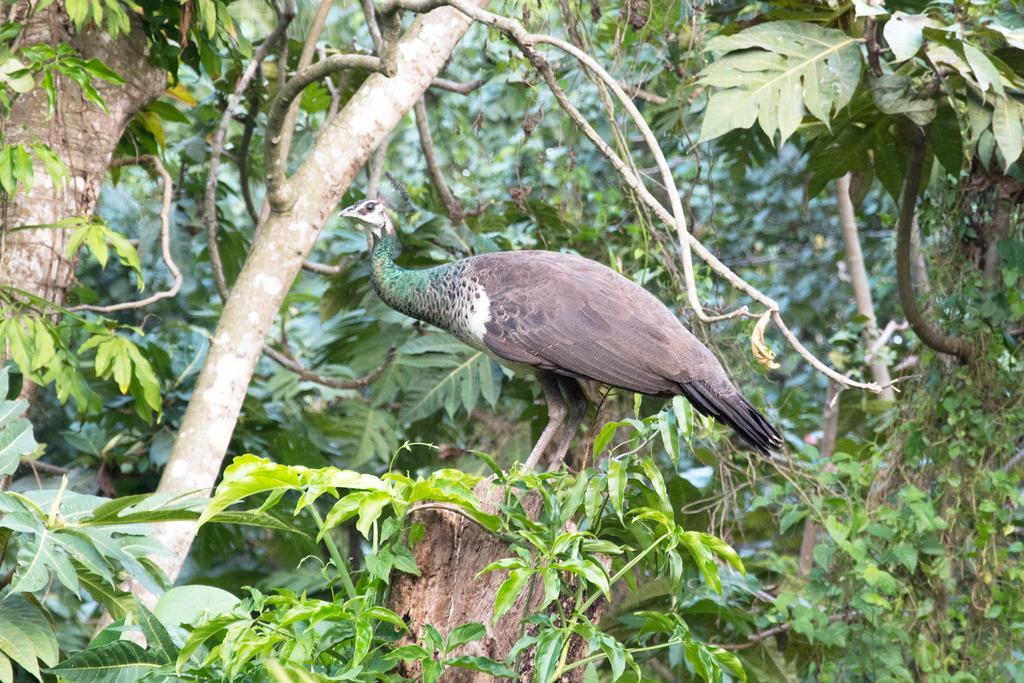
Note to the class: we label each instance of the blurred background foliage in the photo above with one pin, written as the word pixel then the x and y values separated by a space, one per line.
pixel 917 571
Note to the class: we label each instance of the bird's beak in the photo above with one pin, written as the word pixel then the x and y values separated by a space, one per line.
pixel 349 212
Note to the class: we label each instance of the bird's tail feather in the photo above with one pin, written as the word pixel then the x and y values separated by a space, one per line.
pixel 735 411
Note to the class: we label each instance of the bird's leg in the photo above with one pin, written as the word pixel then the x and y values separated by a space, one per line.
pixel 577 411
pixel 556 414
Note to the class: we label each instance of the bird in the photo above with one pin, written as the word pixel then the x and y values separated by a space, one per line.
pixel 566 319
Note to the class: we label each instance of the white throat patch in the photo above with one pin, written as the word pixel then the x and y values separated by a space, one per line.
pixel 479 315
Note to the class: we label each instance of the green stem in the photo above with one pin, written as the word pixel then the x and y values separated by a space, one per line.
pixel 593 658
pixel 625 568
pixel 582 609
pixel 346 580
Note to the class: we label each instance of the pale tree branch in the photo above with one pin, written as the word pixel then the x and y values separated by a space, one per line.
pixel 376 171
pixel 861 284
pixel 219 137
pixel 891 328
pixel 527 43
pixel 455 87
pixel 280 193
pixel 929 335
pixel 452 205
pixel 369 12
pixel 316 27
pixel 636 92
pixel 165 241
pixel 324 269
pixel 321 179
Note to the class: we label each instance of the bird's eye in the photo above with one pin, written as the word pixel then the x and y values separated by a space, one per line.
pixel 370 206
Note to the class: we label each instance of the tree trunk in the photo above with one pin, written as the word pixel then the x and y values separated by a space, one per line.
pixel 448 592
pixel 861 286
pixel 81 134
pixel 342 148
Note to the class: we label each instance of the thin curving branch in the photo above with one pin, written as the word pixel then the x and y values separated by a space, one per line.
pixel 929 335
pixel 217 145
pixel 369 12
pixel 324 269
pixel 165 241
pixel 316 27
pixel 452 205
pixel 245 146
pixel 639 93
pixel 289 362
pixel 282 197
pixel 455 87
pixel 527 43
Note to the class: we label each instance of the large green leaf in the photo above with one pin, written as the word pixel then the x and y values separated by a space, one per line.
pixel 118 662
pixel 772 72
pixel 16 440
pixel 366 432
pixel 437 371
pixel 25 635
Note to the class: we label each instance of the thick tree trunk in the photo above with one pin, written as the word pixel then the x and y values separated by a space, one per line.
pixel 81 134
pixel 342 148
pixel 449 592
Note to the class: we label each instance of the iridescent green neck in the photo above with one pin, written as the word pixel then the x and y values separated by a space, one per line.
pixel 412 292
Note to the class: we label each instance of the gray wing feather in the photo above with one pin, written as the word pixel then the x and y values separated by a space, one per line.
pixel 573 316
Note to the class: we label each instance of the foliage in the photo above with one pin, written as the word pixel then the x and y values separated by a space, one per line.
pixel 916 574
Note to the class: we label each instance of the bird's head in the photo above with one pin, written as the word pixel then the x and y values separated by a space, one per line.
pixel 372 212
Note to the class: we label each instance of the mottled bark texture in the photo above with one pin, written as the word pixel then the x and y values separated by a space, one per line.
pixel 342 148
pixel 448 592
pixel 81 134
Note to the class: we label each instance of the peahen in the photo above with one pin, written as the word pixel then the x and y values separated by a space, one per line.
pixel 564 318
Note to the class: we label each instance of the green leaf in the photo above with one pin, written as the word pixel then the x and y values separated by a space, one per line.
pixel 483 665
pixel 904 34
pixel 246 476
pixel 896 94
pixel 549 648
pixel 509 591
pixel 1008 128
pixel 23 171
pixel 984 70
pixel 408 653
pixel 119 603
pixel 26 634
pixel 15 76
pixel 370 508
pixel 54 166
pixel 36 558
pixel 157 637
pixel 16 438
pixel 770 72
pixel 193 604
pixel 702 557
pixel 119 662
pixel 617 478
pixel 466 633
pixel 604 436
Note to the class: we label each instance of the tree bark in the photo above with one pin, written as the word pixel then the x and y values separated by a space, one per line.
pixel 81 134
pixel 342 148
pixel 449 592
pixel 861 285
